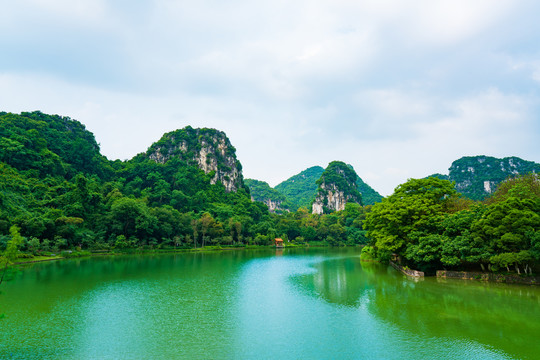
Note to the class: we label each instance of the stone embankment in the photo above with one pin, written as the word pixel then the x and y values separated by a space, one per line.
pixel 501 278
pixel 408 272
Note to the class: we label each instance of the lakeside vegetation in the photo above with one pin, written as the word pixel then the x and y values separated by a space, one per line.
pixel 61 194
pixel 64 195
pixel 429 226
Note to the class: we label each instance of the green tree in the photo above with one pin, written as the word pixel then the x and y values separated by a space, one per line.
pixel 509 227
pixel 405 216
pixel 9 255
pixel 12 250
pixel 131 217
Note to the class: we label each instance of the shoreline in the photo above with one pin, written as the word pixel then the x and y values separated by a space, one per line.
pixel 488 277
pixel 416 275
pixel 413 275
pixel 86 253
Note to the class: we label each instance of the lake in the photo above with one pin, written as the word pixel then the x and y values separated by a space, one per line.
pixel 259 304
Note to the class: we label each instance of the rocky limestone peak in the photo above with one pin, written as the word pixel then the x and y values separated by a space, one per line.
pixel 208 149
pixel 478 176
pixel 337 187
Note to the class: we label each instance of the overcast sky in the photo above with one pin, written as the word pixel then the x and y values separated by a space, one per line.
pixel 398 89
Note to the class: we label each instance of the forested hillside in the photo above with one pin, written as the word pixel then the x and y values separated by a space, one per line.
pixel 477 177
pixel 369 195
pixel 186 190
pixel 45 145
pixel 261 191
pixel 61 192
pixel 300 189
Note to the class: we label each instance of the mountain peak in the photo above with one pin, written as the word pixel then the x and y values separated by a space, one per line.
pixel 208 149
pixel 337 186
pixel 477 177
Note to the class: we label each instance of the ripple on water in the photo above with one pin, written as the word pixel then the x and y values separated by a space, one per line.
pixel 245 305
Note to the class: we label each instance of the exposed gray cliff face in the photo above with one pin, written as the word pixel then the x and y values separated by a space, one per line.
pixel 337 187
pixel 209 149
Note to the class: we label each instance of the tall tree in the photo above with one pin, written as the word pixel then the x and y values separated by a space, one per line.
pixel 401 219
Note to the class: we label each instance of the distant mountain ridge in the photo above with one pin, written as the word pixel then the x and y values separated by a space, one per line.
pixel 261 191
pixel 300 190
pixel 477 177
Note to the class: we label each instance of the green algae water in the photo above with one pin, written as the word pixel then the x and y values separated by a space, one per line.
pixel 263 304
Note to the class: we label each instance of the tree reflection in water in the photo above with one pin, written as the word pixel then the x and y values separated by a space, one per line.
pixel 500 316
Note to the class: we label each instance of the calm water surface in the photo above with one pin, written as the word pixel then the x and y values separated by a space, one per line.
pixel 301 304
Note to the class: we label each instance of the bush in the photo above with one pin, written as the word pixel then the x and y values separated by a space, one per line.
pixel 368 254
pixel 74 254
pixel 60 243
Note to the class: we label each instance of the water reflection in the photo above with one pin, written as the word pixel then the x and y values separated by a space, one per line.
pixel 334 281
pixel 498 315
pixel 121 307
pixel 302 303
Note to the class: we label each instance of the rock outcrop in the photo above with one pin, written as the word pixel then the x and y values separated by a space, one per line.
pixel 301 189
pixel 477 177
pixel 337 187
pixel 274 206
pixel 208 149
pixel 261 191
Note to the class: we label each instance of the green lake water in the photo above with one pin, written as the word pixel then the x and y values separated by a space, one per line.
pixel 260 304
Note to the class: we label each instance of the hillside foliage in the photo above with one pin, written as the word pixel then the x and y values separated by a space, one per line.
pixel 369 195
pixel 62 194
pixel 261 191
pixel 477 177
pixel 428 226
pixel 301 189
pixel 58 193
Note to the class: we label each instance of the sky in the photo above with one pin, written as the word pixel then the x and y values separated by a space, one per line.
pixel 398 89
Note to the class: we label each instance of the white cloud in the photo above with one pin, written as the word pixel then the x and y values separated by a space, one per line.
pixel 449 21
pixel 397 89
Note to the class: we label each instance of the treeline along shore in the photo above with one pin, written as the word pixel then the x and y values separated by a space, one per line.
pixel 59 194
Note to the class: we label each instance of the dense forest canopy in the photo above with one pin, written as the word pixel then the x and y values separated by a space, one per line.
pixel 477 177
pixel 63 194
pixel 429 226
pixel 276 201
pixel 57 192
pixel 300 190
